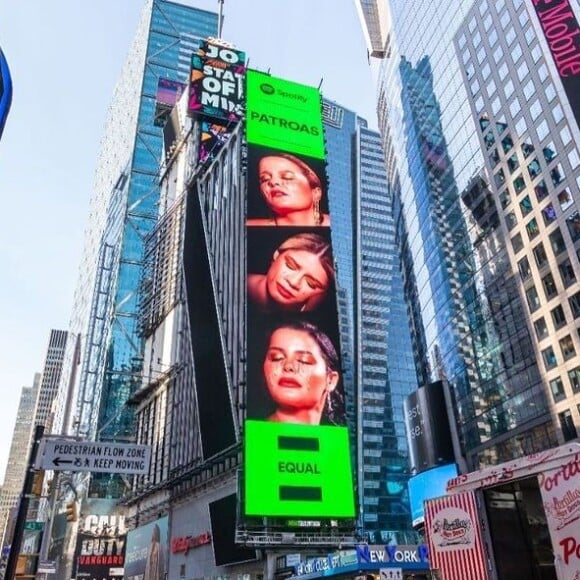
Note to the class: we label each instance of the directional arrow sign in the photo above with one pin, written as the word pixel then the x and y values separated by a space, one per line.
pixel 94 456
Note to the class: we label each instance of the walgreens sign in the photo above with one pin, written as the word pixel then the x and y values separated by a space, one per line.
pixel 562 34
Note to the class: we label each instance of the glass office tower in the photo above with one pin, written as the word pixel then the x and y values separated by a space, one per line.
pixel 376 342
pixel 103 361
pixel 480 140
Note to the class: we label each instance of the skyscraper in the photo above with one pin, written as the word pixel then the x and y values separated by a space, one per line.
pixel 480 140
pixel 377 349
pixel 103 359
pixel 50 378
pixel 19 446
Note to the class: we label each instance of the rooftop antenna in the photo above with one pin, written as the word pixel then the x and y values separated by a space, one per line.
pixel 220 17
pixel 320 83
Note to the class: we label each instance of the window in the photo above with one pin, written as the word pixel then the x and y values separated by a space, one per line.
pixel 529 89
pixel 557 388
pixel 557 241
pixel 542 130
pixel 515 107
pixel 499 178
pixel 485 71
pixel 567 273
pixel 535 109
pixel 557 113
pixel 513 162
pixel 498 52
pixel 533 299
pixel 534 168
pixel 549 357
pixel 523 70
pixel 526 205
pixel 503 71
pixel 549 214
pixel 532 228
pixel 511 220
pixel 516 53
pixel 507 143
pixel 496 105
pixel 550 92
pixel 521 127
pixel 519 184
pixel 549 152
pixel 536 53
pixel 504 198
pixel 510 35
pixel 567 425
pixel 517 243
pixel 543 72
pixel 489 139
pixel 541 190
pixel 565 135
pixel 573 223
pixel 557 175
pixel 541 328
pixel 523 18
pixel 549 285
pixel 567 347
pixel 574 302
pixel 524 268
pixel 540 255
pixel 558 317
pixel 565 199
pixel 573 158
pixel 527 148
pixel 574 378
pixel 494 158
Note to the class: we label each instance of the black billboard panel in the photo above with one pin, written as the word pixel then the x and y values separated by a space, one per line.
pixel 427 426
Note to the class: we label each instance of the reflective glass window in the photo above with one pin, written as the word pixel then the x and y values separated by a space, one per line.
pixel 557 389
pixel 565 199
pixel 533 299
pixel 541 328
pixel 517 243
pixel 532 228
pixel 534 168
pixel 550 360
pixel 541 190
pixel 526 205
pixel 573 223
pixel 524 268
pixel 558 317
pixel 574 302
pixel 567 347
pixel 557 242
pixel 549 284
pixel 540 255
pixel 549 214
pixel 574 378
pixel 513 162
pixel 567 272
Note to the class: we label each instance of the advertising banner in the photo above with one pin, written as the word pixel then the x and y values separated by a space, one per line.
pixel 562 33
pixel 216 87
pixel 455 544
pixel 296 444
pixel 100 547
pixel 560 489
pixel 212 137
pixel 284 115
pixel 146 554
pixel 168 93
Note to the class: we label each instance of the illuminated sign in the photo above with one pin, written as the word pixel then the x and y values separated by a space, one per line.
pixel 296 445
pixel 297 469
pixel 562 34
pixel 216 88
pixel 284 115
pixel 182 545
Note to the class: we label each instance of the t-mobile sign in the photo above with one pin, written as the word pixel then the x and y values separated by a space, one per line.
pixel 562 33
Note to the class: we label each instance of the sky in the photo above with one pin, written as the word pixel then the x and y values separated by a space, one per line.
pixel 65 57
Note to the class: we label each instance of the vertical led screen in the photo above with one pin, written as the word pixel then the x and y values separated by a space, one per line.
pixel 562 33
pixel 216 84
pixel 100 547
pixel 296 444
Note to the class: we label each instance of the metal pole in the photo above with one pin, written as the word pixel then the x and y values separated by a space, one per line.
pixel 23 506
pixel 220 17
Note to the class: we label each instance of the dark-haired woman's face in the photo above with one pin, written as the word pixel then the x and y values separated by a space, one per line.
pixel 296 277
pixel 284 186
pixel 297 376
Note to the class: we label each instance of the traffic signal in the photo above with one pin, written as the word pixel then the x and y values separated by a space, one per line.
pixel 37 483
pixel 71 511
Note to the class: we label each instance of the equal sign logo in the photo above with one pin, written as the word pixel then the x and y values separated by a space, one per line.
pixel 300 492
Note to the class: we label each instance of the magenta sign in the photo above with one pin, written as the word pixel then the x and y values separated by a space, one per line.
pixel 562 34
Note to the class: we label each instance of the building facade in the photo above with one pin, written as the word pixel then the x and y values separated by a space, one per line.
pixel 18 456
pixel 50 379
pixel 104 356
pixel 480 137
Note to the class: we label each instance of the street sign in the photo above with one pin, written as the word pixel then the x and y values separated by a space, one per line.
pixel 93 456
pixel 391 573
pixel 34 525
pixel 46 567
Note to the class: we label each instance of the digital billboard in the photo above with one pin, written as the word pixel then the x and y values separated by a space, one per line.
pixel 427 427
pixel 283 115
pixel 562 33
pixel 428 485
pixel 216 84
pixel 5 91
pixel 100 546
pixel 168 93
pixel 147 552
pixel 296 444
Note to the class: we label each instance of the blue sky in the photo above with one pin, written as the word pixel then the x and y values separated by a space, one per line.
pixel 65 57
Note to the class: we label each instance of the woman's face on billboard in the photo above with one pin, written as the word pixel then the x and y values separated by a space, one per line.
pixel 285 187
pixel 296 374
pixel 296 277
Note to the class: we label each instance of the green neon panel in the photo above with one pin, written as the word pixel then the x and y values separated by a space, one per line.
pixel 283 115
pixel 297 470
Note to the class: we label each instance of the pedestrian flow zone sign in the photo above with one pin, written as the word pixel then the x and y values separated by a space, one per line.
pixel 94 456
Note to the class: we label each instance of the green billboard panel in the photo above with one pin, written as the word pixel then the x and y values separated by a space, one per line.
pixel 283 115
pixel 297 470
